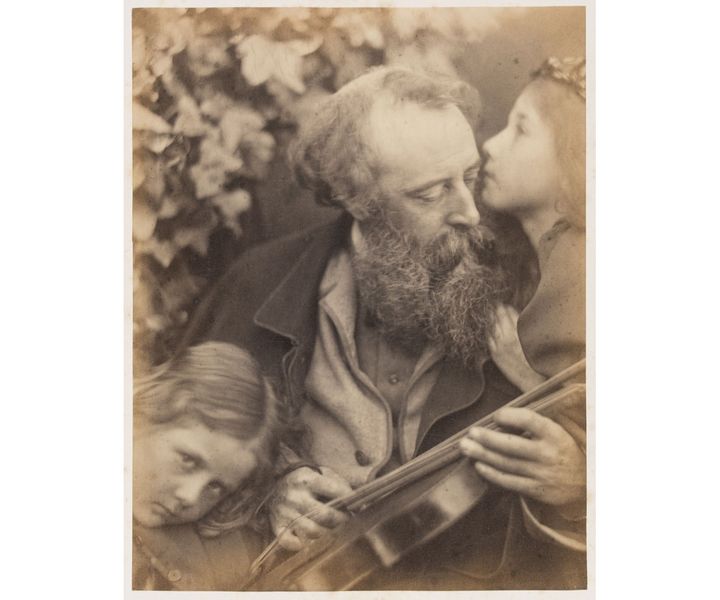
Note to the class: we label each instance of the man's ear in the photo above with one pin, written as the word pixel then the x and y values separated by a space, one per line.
pixel 358 211
pixel 359 208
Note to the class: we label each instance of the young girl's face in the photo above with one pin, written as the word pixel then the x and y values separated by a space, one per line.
pixel 521 172
pixel 183 470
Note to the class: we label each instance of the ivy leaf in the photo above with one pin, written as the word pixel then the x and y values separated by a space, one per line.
pixel 209 180
pixel 143 85
pixel 144 220
pixel 146 120
pixel 161 250
pixel 138 174
pixel 263 59
pixel 195 233
pixel 207 55
pixel 153 175
pixel 169 208
pixel 209 173
pixel 408 21
pixel 156 143
pixel 238 122
pixel 258 149
pixel 197 239
pixel 216 105
pixel 179 290
pixel 231 205
pixel 138 49
pixel 189 120
pixel 360 27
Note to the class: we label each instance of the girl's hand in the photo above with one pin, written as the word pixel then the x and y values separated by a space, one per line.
pixel 544 463
pixel 506 350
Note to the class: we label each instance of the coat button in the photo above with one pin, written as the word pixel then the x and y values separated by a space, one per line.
pixel 362 458
pixel 174 575
pixel 393 379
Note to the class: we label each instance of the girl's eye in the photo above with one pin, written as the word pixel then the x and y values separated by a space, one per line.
pixel 216 488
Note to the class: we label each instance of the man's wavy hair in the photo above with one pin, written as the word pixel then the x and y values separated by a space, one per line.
pixel 330 155
pixel 222 387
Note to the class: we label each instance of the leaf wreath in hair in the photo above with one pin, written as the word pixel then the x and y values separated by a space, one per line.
pixel 570 71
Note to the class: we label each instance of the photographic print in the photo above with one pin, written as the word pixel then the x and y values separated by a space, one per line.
pixel 359 269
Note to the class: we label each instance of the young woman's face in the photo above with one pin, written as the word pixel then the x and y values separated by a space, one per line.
pixel 181 471
pixel 521 172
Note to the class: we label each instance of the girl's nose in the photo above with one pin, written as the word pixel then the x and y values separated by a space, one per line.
pixel 489 147
pixel 189 491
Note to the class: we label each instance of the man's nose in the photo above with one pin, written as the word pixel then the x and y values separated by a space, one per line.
pixel 463 212
pixel 488 148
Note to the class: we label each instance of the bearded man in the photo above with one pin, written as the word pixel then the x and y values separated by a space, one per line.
pixel 376 328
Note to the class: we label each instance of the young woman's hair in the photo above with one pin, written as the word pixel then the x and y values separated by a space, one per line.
pixel 558 88
pixel 222 387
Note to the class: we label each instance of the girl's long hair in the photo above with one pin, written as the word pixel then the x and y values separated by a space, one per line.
pixel 558 89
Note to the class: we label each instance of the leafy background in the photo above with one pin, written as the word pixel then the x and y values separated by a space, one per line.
pixel 218 93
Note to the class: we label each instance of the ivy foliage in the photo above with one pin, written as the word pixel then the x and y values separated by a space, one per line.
pixel 212 89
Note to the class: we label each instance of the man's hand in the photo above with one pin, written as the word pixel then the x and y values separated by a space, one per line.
pixel 299 499
pixel 507 353
pixel 545 463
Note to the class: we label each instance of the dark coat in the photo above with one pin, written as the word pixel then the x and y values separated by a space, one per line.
pixel 267 303
pixel 176 557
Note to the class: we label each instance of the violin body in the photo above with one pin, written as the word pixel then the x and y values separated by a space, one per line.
pixel 380 536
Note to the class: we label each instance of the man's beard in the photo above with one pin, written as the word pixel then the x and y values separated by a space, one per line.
pixel 443 293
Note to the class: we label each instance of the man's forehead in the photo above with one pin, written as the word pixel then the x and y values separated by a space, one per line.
pixel 408 139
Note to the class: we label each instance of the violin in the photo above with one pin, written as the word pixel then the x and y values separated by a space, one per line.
pixel 402 510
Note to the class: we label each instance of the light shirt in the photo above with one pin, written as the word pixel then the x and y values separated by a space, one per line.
pixel 366 397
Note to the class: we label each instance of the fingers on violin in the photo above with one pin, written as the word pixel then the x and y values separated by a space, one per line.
pixel 290 541
pixel 498 461
pixel 326 516
pixel 329 485
pixel 504 443
pixel 508 481
pixel 305 528
pixel 527 420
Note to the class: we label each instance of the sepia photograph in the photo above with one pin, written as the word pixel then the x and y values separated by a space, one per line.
pixel 361 248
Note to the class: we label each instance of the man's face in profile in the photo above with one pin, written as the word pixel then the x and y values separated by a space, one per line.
pixel 427 165
pixel 421 273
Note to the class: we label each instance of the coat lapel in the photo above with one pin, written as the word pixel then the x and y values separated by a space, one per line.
pixel 460 389
pixel 456 389
pixel 291 309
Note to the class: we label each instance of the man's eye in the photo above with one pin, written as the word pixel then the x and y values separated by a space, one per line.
pixel 186 460
pixel 520 130
pixel 429 197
